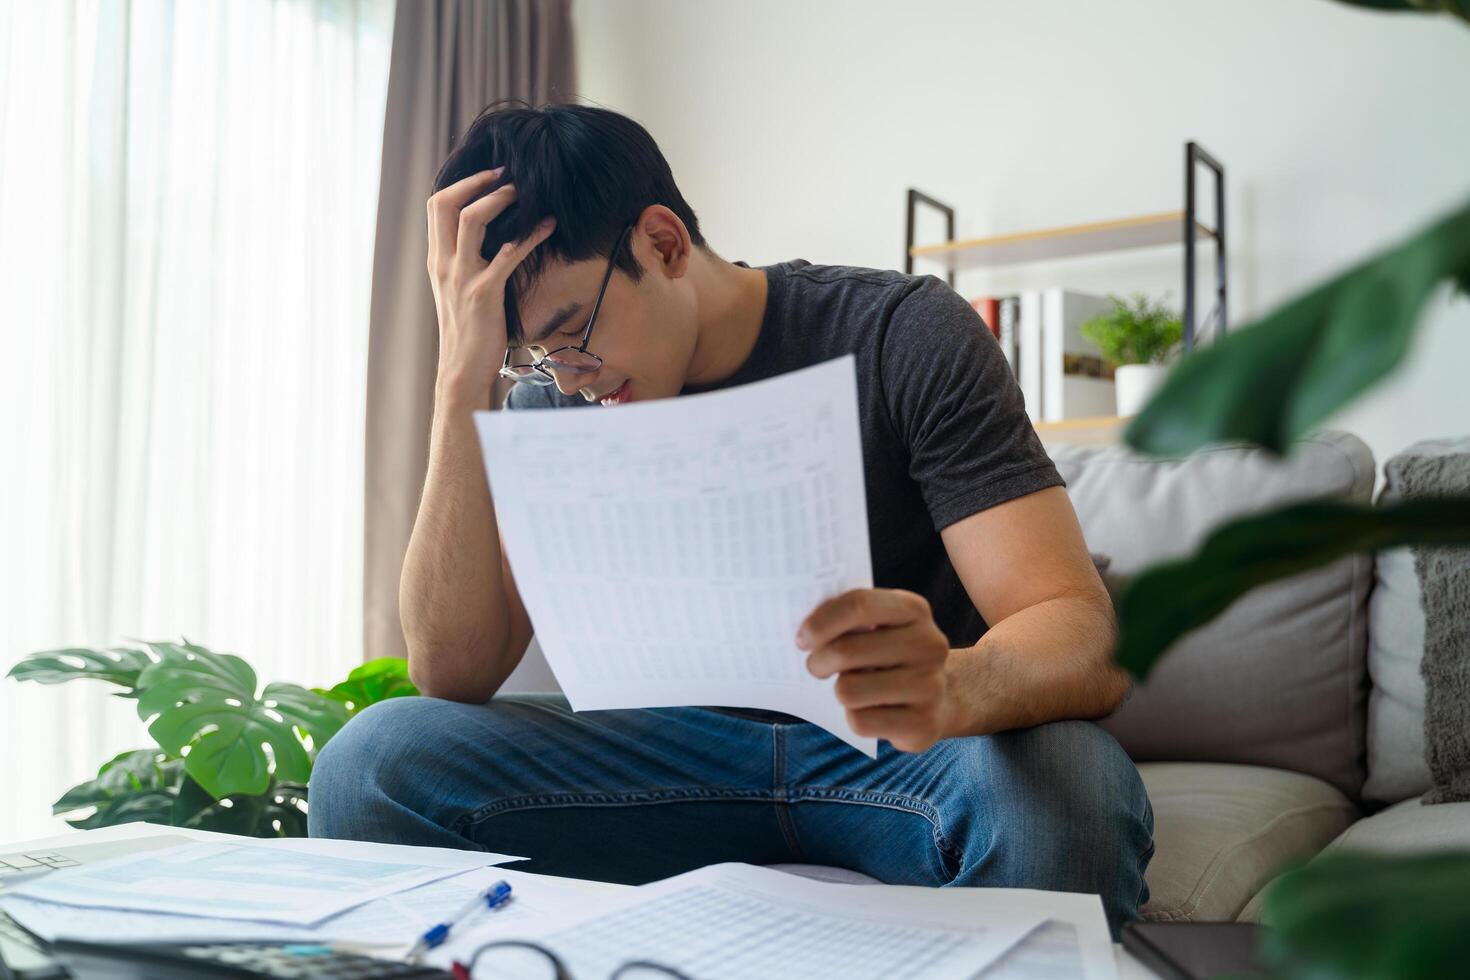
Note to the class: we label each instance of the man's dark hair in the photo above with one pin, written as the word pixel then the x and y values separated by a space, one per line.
pixel 592 169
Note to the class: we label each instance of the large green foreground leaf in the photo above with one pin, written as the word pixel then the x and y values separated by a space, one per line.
pixel 1459 8
pixel 1363 916
pixel 1168 600
pixel 1273 381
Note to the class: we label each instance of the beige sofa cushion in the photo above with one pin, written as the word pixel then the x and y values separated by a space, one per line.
pixel 1406 826
pixel 1222 831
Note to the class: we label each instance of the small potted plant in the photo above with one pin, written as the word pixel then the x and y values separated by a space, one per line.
pixel 1138 338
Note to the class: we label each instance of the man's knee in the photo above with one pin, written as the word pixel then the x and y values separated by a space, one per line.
pixel 1061 806
pixel 367 761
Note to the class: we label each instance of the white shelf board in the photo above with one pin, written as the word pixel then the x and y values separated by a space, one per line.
pixel 1058 243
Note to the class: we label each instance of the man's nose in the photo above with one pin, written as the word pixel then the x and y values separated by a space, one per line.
pixel 571 382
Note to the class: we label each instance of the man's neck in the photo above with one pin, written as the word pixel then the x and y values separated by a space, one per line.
pixel 731 307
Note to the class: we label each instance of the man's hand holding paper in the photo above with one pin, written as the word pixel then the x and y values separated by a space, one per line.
pixel 889 657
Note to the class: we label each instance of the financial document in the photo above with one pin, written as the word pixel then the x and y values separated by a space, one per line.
pixel 667 551
pixel 736 921
pixel 392 922
pixel 1073 944
pixel 299 885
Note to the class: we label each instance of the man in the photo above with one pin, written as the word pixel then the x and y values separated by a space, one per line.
pixel 561 250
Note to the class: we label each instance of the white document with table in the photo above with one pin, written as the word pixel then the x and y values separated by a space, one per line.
pixel 741 922
pixel 296 884
pixel 667 551
pixel 389 924
pixel 1073 944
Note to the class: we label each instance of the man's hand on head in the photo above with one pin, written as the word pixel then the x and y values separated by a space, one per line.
pixel 889 657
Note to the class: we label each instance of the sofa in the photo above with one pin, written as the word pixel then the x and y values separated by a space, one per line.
pixel 1289 726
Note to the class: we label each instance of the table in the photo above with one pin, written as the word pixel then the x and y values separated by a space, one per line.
pixel 1128 967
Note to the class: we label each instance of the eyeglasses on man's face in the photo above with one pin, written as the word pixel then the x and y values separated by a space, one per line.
pixel 569 359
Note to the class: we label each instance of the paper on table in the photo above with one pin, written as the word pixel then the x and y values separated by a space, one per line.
pixel 257 882
pixel 1074 944
pixel 436 857
pixel 667 551
pixel 733 921
pixel 392 921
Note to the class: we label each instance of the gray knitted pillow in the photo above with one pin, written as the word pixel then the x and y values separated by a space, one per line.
pixel 1428 469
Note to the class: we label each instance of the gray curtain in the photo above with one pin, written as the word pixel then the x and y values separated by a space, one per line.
pixel 450 59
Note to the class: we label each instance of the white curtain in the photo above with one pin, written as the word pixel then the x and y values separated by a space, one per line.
pixel 187 197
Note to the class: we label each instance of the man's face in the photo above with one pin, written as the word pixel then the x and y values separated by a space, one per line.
pixel 645 331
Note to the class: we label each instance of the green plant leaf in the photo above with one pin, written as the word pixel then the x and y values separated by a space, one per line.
pixel 1457 8
pixel 1272 382
pixel 1357 915
pixel 204 707
pixel 131 786
pixel 1168 600
pixel 277 812
pixel 1138 333
pixel 377 680
pixel 123 774
pixel 116 665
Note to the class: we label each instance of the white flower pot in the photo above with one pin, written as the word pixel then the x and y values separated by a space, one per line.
pixel 1135 383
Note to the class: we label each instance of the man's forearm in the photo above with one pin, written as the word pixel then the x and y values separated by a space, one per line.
pixel 1050 661
pixel 451 597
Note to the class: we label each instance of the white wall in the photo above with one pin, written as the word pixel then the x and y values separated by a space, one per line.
pixel 794 128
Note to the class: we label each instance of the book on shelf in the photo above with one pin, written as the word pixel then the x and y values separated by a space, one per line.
pixel 1062 375
pixel 999 314
pixel 988 308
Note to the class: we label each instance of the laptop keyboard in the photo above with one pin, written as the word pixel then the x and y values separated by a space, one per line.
pixel 13 864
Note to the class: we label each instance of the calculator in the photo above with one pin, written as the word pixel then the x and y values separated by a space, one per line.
pixel 180 961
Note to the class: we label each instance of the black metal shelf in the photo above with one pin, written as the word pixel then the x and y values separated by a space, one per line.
pixel 1097 238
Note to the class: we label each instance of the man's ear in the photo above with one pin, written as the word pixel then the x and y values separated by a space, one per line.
pixel 668 238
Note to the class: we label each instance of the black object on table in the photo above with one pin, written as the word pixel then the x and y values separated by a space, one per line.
pixel 183 961
pixel 1196 950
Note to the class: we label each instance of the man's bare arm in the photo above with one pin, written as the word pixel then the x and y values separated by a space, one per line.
pixel 462 616
pixel 1049 651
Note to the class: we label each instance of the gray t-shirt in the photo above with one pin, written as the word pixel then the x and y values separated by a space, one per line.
pixel 944 429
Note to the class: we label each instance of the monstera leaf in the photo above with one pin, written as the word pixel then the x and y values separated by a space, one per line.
pixel 1168 600
pixel 374 681
pixel 145 784
pixel 1364 916
pixel 131 786
pixel 1273 381
pixel 279 811
pixel 117 665
pixel 204 707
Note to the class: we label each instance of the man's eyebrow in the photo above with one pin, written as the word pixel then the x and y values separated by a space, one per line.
pixel 558 318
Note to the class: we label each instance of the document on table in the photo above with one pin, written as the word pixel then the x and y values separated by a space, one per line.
pixel 1073 944
pixel 667 551
pixel 294 884
pixel 736 921
pixel 393 921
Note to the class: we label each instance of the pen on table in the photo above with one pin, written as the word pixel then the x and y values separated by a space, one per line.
pixel 491 898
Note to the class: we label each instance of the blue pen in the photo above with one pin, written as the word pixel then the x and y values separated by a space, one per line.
pixel 491 898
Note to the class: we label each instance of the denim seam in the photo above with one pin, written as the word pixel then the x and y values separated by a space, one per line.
pixel 779 794
pixel 551 800
pixel 891 801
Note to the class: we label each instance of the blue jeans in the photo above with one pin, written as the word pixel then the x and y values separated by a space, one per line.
pixel 636 795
